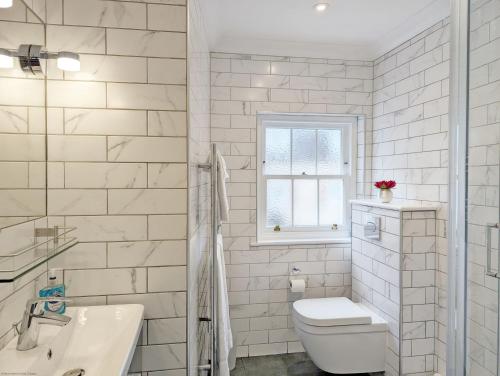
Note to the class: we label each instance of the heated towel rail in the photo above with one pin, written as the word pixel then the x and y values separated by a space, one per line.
pixel 211 167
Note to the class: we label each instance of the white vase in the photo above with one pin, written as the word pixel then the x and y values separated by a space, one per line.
pixel 385 196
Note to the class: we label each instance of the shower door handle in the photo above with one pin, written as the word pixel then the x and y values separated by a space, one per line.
pixel 489 271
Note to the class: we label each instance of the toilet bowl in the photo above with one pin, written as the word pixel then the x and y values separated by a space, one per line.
pixel 341 336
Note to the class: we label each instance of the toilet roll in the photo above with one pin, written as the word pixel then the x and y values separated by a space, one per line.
pixel 297 285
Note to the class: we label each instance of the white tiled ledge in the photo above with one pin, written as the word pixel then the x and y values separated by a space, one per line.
pixel 398 205
pixel 301 242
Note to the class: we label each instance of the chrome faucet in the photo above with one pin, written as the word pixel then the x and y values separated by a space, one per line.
pixel 34 316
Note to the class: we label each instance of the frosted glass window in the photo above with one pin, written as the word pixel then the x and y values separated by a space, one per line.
pixel 305 202
pixel 331 196
pixel 277 151
pixel 303 152
pixel 330 152
pixel 305 176
pixel 279 203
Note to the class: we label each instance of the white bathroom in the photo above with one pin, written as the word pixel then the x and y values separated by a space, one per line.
pixel 243 188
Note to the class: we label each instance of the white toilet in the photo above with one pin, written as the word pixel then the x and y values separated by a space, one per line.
pixel 341 336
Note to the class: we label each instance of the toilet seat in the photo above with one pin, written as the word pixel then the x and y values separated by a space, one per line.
pixel 335 316
pixel 330 312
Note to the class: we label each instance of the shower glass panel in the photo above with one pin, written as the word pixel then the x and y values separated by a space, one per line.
pixel 482 205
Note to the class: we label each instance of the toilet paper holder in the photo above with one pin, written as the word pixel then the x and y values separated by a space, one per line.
pixel 295 283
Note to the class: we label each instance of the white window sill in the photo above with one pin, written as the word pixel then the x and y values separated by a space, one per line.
pixel 300 242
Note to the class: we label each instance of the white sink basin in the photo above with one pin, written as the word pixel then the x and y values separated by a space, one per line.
pixel 101 340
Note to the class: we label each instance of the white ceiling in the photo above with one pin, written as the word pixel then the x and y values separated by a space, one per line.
pixel 351 29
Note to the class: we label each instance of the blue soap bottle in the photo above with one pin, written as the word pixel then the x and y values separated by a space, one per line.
pixel 54 289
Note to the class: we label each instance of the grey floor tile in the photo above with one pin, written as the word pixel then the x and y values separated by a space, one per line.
pixel 238 371
pixel 296 357
pixel 297 364
pixel 300 364
pixel 265 365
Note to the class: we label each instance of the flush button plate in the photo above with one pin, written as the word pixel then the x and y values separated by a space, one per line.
pixel 371 227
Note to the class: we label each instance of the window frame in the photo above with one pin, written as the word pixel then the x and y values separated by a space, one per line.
pixel 349 125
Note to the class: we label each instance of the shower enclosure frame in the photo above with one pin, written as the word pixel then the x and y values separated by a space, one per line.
pixel 458 290
pixel 457 207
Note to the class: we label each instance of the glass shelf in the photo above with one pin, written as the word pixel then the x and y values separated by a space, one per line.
pixel 53 242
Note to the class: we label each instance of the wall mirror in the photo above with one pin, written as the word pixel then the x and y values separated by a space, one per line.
pixel 27 238
pixel 23 180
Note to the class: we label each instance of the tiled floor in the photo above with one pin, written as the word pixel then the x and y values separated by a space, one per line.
pixel 280 365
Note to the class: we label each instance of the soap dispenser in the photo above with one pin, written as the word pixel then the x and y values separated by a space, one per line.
pixel 54 289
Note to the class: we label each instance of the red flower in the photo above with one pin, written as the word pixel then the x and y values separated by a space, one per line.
pixel 385 184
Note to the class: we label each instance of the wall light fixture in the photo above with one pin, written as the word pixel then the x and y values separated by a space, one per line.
pixel 30 56
pixel 68 61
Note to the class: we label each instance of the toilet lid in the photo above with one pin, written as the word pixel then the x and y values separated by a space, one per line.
pixel 330 312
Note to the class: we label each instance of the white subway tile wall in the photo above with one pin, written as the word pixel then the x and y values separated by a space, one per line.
pixel 410 142
pixel 376 270
pixel 395 276
pixel 118 156
pixel 117 150
pixel 258 276
pixel 418 293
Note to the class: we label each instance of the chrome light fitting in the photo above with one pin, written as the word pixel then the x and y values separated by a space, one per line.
pixel 30 56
